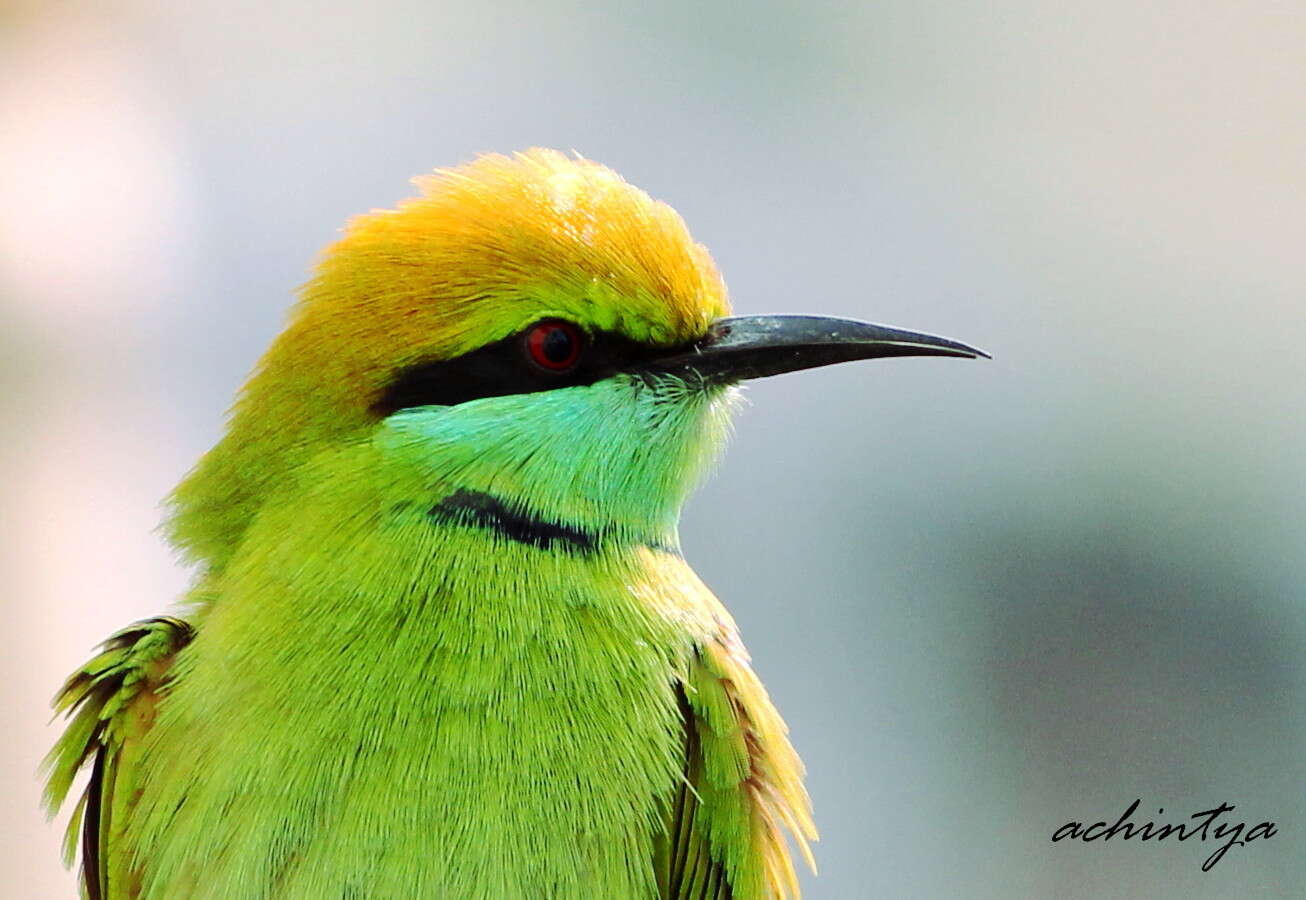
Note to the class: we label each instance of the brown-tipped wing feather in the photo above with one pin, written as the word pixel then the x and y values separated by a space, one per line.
pixel 110 703
pixel 742 790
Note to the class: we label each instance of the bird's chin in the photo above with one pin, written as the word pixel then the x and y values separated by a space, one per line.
pixel 686 387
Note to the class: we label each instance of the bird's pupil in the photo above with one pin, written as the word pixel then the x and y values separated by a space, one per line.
pixel 556 345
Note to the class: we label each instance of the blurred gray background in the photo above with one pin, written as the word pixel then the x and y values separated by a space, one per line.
pixel 990 598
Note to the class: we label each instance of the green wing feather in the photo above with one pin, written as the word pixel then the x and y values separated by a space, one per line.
pixel 742 789
pixel 110 704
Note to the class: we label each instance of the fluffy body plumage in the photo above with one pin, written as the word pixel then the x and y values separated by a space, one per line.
pixel 449 651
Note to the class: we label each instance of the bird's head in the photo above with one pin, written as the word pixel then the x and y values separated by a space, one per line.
pixel 531 329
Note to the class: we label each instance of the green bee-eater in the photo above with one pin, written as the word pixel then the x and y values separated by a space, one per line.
pixel 442 641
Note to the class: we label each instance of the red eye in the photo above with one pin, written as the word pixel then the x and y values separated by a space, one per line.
pixel 554 345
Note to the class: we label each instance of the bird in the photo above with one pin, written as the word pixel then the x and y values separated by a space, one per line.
pixel 442 639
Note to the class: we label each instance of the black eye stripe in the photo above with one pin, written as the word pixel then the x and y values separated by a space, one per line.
pixel 501 368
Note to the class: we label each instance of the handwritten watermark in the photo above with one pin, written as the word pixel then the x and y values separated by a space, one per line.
pixel 1203 827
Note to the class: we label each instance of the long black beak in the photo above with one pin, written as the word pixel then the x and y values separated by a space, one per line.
pixel 743 347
